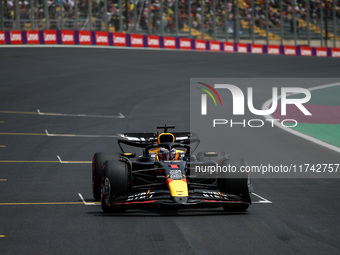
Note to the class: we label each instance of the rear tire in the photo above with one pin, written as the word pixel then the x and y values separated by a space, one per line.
pixel 98 171
pixel 116 183
pixel 236 184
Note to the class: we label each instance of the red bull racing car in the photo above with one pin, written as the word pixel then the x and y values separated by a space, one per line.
pixel 166 174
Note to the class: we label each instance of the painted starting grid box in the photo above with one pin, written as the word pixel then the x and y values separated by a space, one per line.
pixel 100 38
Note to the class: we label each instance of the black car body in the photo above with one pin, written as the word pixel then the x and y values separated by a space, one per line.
pixel 122 180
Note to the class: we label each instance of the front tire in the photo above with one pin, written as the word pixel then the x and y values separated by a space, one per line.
pixel 236 184
pixel 98 171
pixel 116 183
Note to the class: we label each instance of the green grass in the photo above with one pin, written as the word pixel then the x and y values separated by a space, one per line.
pixel 329 133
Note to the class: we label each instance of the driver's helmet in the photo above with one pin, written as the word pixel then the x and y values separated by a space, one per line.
pixel 173 154
pixel 164 154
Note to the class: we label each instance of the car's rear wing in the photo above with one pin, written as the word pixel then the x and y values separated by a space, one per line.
pixel 143 140
pixel 137 139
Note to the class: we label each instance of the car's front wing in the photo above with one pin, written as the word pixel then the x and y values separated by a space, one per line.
pixel 197 197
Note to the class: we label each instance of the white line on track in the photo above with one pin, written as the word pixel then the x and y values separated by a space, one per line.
pixel 59 159
pixel 73 162
pixel 121 116
pixel 81 197
pixel 267 104
pixel 86 203
pixel 75 135
pixel 262 201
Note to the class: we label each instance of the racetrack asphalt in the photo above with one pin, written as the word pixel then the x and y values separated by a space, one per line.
pixel 148 88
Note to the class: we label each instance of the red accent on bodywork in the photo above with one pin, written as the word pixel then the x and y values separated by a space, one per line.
pixel 136 202
pixel 174 166
pixel 215 201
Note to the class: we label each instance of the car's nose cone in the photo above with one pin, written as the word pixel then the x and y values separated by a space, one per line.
pixel 180 200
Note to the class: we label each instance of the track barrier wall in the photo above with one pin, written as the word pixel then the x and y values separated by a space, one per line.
pixel 101 38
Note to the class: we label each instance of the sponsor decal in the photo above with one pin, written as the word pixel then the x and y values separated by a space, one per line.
pixel 200 45
pixel 169 42
pixel 228 47
pixel 102 38
pixel 67 37
pixel 119 39
pixel 140 196
pixel 50 36
pixel 32 37
pixel 84 37
pixel 184 44
pixel 2 37
pixel 137 40
pixel 214 194
pixel 306 51
pixel 273 50
pixel 215 46
pixel 336 53
pixel 153 41
pixel 256 49
pixel 321 52
pixel 175 174
pixel 289 50
pixel 15 37
pixel 242 48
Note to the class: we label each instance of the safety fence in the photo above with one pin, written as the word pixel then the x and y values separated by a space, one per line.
pixel 277 22
pixel 102 38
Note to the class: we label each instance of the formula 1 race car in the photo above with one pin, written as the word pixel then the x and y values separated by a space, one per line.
pixel 164 174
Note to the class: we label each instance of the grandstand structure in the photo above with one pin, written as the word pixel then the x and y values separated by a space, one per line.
pixel 277 22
